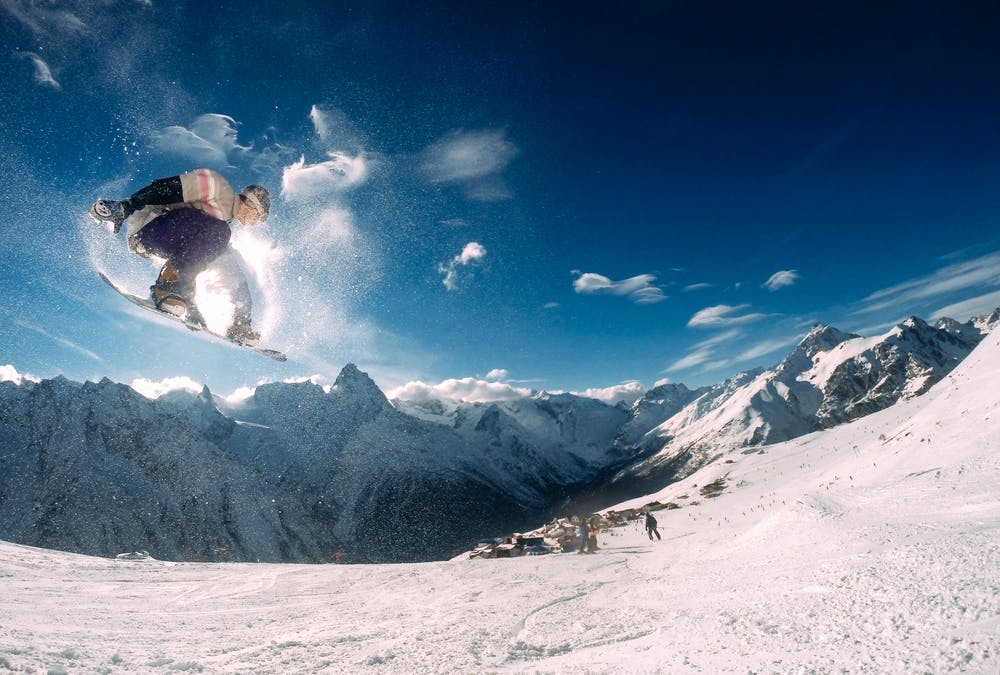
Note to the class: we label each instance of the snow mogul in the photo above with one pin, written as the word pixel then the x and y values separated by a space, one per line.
pixel 185 221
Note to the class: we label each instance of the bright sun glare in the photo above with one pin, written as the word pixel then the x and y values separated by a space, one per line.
pixel 214 302
pixel 213 297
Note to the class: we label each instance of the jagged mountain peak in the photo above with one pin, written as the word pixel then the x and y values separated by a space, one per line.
pixel 940 337
pixel 952 326
pixel 103 395
pixel 823 337
pixel 355 383
pixel 915 327
pixel 988 321
pixel 351 372
pixel 974 328
pixel 667 390
pixel 282 403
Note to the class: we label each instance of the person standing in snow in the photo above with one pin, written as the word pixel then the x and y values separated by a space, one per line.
pixel 594 526
pixel 584 534
pixel 651 527
pixel 185 220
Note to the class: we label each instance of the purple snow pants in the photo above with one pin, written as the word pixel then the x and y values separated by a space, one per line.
pixel 189 239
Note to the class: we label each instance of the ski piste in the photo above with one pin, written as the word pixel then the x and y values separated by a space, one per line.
pixel 148 304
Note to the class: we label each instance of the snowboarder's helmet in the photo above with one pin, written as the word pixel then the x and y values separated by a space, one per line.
pixel 258 199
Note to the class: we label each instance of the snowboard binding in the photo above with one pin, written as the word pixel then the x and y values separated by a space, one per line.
pixel 174 303
pixel 172 296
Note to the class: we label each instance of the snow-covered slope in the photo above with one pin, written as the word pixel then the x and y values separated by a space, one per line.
pixel 829 378
pixel 872 547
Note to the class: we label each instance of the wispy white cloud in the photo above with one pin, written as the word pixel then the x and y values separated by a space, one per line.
pixel 340 172
pixel 704 353
pixel 497 374
pixel 473 252
pixel 696 287
pixel 43 74
pixel 781 279
pixel 210 141
pixel 155 389
pixel 980 275
pixel 43 18
pixel 966 309
pixel 240 395
pixel 321 122
pixel 62 342
pixel 766 347
pixel 335 130
pixel 720 316
pixel 8 373
pixel 693 359
pixel 466 389
pixel 640 289
pixel 626 392
pixel 472 159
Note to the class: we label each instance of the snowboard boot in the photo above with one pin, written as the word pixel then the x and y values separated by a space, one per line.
pixel 241 333
pixel 173 296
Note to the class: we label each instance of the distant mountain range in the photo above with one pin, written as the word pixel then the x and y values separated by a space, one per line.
pixel 302 473
pixel 829 378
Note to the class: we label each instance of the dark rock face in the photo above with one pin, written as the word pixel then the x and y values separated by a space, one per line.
pixel 906 364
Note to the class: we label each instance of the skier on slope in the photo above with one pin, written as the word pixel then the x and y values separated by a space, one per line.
pixel 651 527
pixel 185 220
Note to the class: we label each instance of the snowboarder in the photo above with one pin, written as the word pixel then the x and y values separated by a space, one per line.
pixel 185 220
pixel 651 527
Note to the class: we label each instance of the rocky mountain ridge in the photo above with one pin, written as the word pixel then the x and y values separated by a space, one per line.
pixel 829 378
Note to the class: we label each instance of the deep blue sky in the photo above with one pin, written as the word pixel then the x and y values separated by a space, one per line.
pixel 633 175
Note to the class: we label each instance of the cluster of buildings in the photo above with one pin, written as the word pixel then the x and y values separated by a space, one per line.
pixel 562 535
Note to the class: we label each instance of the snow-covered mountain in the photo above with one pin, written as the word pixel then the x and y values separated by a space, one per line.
pixel 829 378
pixel 298 472
pixel 97 468
pixel 295 473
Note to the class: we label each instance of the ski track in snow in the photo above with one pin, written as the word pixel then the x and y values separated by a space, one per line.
pixel 872 548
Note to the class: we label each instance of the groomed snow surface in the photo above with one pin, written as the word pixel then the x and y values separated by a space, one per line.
pixel 874 547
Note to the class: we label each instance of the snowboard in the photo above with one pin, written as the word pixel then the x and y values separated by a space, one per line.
pixel 149 305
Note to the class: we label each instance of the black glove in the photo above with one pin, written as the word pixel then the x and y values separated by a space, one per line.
pixel 111 211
